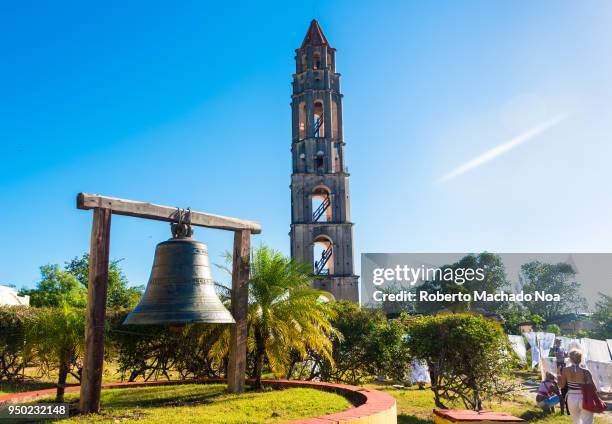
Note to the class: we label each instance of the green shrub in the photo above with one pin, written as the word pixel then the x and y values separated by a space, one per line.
pixel 467 355
pixel 157 351
pixel 369 345
pixel 13 323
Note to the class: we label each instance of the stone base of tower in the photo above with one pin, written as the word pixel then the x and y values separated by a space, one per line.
pixel 342 288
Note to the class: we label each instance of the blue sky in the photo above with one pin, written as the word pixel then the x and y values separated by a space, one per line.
pixel 187 104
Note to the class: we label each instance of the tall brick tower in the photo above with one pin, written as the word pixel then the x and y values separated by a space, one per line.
pixel 321 228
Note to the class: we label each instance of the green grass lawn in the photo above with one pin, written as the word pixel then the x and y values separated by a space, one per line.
pixel 415 407
pixel 208 403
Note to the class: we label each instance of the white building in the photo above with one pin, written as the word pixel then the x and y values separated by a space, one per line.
pixel 8 296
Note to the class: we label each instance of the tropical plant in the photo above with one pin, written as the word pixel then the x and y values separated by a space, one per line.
pixel 286 317
pixel 56 338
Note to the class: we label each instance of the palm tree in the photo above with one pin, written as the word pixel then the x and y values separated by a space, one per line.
pixel 56 340
pixel 285 314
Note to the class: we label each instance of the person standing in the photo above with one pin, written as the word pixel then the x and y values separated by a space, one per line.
pixel 574 377
pixel 560 355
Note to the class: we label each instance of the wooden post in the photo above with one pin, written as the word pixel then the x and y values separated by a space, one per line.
pixel 240 305
pixel 91 378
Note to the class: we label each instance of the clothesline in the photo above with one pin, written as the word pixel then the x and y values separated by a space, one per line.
pixel 541 343
pixel 597 355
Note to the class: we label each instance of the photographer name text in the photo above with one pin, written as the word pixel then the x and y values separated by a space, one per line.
pixel 482 296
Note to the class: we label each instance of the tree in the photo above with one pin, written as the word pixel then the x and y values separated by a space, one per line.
pixel 602 318
pixel 494 280
pixel 514 315
pixel 56 337
pixel 552 279
pixel 286 316
pixel 69 285
pixel 395 309
pixel 55 288
pixel 467 356
pixel 553 328
pixel 537 320
pixel 119 294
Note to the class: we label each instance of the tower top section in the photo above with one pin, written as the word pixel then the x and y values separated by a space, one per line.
pixel 314 36
pixel 315 54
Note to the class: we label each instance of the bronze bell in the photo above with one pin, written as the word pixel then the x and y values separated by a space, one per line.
pixel 181 289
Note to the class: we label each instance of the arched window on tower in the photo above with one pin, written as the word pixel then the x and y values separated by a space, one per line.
pixel 319 125
pixel 302 121
pixel 316 57
pixel 323 256
pixel 321 205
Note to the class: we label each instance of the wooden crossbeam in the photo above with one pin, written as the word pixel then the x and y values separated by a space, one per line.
pixel 163 213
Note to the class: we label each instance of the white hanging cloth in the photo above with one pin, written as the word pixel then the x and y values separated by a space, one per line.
pixel 419 372
pixel 596 350
pixel 602 375
pixel 518 345
pixel 609 342
pixel 533 344
pixel 540 343
pixel 548 365
pixel 545 342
